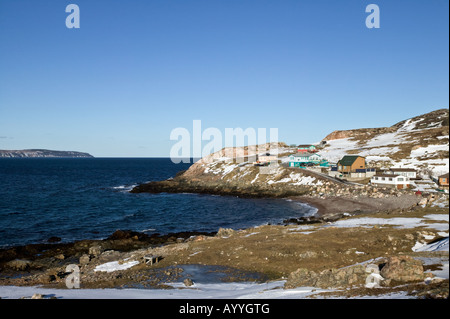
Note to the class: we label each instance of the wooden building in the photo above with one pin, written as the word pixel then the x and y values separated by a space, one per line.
pixel 443 180
pixel 350 163
pixel 306 148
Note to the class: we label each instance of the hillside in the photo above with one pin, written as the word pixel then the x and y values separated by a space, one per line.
pixel 220 173
pixel 42 153
pixel 420 142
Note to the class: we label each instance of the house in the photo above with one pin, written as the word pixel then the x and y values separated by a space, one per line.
pixel 406 172
pixel 267 158
pixel 302 159
pixel 443 180
pixel 390 180
pixel 350 163
pixel 306 148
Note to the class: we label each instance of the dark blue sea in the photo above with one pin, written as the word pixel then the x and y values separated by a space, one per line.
pixel 88 198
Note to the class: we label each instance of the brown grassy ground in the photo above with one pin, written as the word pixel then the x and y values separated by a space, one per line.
pixel 279 250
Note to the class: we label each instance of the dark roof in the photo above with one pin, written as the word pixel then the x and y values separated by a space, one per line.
pixel 444 176
pixel 305 145
pixel 304 155
pixel 387 175
pixel 402 169
pixel 348 160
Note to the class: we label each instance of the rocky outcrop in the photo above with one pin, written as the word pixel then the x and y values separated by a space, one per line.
pixel 435 119
pixel 19 264
pixel 220 188
pixel 394 269
pixel 336 135
pixel 329 278
pixel 403 269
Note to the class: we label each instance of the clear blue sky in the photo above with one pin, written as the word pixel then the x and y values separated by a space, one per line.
pixel 135 70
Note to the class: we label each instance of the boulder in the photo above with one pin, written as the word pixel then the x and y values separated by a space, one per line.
pixel 329 278
pixel 54 239
pixel 18 264
pixel 302 277
pixel 95 250
pixel 423 202
pixel 85 259
pixel 126 234
pixel 225 232
pixel 188 282
pixel 403 269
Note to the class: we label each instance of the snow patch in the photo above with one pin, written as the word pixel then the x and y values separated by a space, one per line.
pixel 115 265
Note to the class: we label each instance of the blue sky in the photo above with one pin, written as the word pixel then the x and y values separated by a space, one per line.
pixel 135 70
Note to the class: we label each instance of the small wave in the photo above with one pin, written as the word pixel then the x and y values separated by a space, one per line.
pixel 309 210
pixel 124 188
pixel 148 230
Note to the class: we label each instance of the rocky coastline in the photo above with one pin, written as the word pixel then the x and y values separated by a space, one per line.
pixel 268 252
pixel 45 264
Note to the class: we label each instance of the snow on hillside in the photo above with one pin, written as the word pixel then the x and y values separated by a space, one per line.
pixel 421 142
pixel 227 169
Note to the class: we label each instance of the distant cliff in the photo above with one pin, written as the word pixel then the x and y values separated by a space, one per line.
pixel 43 153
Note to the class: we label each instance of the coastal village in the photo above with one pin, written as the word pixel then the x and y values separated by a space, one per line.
pixel 379 225
pixel 392 157
pixel 353 168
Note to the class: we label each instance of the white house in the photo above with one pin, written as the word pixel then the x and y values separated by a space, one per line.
pixel 267 158
pixel 390 180
pixel 406 172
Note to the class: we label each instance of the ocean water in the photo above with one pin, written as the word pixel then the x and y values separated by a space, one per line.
pixel 88 198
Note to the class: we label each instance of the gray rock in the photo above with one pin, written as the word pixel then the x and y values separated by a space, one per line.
pixel 402 268
pixel 225 232
pixel 330 278
pixel 95 250
pixel 60 257
pixel 188 282
pixel 85 259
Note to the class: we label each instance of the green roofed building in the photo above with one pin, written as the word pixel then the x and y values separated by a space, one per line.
pixel 351 163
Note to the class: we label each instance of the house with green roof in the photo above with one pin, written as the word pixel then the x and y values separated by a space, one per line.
pixel 351 164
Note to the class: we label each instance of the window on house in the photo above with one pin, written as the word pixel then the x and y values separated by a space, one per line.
pixel 390 179
pixel 382 178
pixel 400 179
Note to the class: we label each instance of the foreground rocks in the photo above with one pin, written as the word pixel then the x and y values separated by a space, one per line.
pixel 402 269
pixel 317 254
pixel 393 270
pixel 43 256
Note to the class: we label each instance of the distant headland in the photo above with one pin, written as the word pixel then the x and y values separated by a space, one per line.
pixel 43 153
